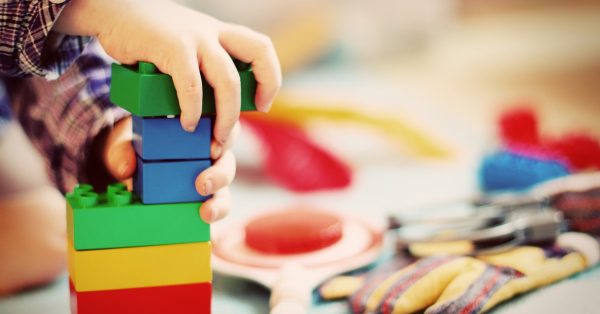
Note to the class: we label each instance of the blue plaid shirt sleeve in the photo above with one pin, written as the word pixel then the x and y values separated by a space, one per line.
pixel 64 117
pixel 4 108
pixel 58 88
pixel 28 46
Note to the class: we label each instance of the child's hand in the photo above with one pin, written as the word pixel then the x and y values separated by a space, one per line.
pixel 119 158
pixel 180 41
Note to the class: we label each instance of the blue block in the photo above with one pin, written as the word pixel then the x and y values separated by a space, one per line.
pixel 164 139
pixel 160 182
pixel 507 171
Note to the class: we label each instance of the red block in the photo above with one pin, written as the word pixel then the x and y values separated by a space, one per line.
pixel 178 299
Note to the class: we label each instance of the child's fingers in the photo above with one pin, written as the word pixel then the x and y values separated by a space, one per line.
pixel 217 149
pixel 185 70
pixel 118 154
pixel 252 47
pixel 221 74
pixel 217 207
pixel 219 175
pixel 121 160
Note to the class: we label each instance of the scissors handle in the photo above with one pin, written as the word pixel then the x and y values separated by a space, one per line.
pixel 500 231
pixel 529 227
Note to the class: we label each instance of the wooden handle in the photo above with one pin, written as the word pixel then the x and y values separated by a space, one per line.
pixel 291 294
pixel 289 306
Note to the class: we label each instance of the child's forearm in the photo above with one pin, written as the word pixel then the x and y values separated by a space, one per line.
pixel 93 18
pixel 78 18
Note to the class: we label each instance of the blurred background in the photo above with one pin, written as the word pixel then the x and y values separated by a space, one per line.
pixel 412 93
pixel 464 57
pixel 444 69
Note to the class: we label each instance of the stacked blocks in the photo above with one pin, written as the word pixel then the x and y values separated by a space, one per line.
pixel 127 257
pixel 148 251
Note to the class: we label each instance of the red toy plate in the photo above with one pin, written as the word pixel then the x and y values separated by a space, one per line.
pixel 293 231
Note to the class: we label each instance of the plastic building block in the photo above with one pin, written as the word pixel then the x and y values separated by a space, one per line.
pixel 165 139
pixel 178 299
pixel 145 92
pixel 160 182
pixel 138 267
pixel 117 219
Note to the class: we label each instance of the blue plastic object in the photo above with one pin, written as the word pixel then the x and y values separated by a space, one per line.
pixel 165 139
pixel 161 182
pixel 506 171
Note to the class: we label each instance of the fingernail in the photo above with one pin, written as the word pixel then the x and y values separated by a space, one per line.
pixel 217 150
pixel 205 216
pixel 208 186
pixel 265 108
pixel 263 105
pixel 123 168
pixel 223 140
pixel 189 127
pixel 214 214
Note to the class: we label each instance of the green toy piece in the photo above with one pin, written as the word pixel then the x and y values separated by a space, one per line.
pixel 117 219
pixel 146 92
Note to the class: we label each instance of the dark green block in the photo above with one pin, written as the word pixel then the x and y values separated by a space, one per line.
pixel 146 92
pixel 117 219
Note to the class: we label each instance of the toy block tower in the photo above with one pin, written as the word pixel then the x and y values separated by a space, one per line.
pixel 148 251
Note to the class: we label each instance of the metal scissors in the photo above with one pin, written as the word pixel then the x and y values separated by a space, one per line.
pixel 494 223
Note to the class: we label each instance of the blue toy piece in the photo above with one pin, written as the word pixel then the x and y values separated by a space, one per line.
pixel 161 182
pixel 165 139
pixel 505 171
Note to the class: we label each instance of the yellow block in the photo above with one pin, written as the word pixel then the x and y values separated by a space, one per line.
pixel 135 267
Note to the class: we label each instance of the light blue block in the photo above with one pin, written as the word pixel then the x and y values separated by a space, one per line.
pixel 160 182
pixel 165 139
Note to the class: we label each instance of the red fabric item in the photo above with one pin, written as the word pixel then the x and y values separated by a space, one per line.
pixel 581 210
pixel 581 150
pixel 177 299
pixel 519 126
pixel 293 231
pixel 519 133
pixel 294 161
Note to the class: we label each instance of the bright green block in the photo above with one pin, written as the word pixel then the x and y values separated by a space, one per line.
pixel 146 92
pixel 117 219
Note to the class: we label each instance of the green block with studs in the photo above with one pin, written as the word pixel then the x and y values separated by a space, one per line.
pixel 146 92
pixel 117 219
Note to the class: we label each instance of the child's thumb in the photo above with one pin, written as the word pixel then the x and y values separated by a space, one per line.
pixel 119 155
pixel 120 161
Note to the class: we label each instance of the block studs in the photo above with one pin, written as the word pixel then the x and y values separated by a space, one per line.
pixel 146 67
pixel 87 199
pixel 121 198
pixel 112 189
pixel 82 188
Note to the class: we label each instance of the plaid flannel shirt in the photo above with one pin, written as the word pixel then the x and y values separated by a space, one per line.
pixel 57 86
